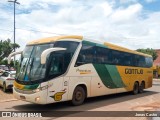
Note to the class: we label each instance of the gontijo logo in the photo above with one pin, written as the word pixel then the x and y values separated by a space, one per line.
pixel 133 71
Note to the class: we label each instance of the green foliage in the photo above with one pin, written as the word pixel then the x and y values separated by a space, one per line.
pixel 5 62
pixel 6 47
pixel 149 51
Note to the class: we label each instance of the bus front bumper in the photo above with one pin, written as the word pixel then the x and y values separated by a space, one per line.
pixel 36 97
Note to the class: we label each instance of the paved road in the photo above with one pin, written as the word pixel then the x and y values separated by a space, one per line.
pixel 149 100
pixel 5 96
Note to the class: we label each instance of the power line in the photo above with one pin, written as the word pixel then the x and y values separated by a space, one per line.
pixel 127 38
pixel 6 30
pixel 40 31
pixel 32 31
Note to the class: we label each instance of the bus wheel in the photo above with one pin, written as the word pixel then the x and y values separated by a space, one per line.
pixel 135 88
pixel 4 87
pixel 78 96
pixel 141 87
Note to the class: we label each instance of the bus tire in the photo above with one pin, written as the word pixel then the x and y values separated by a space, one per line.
pixel 4 87
pixel 78 96
pixel 135 88
pixel 141 87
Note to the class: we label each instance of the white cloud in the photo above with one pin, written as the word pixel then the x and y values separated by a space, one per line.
pixel 127 14
pixel 128 1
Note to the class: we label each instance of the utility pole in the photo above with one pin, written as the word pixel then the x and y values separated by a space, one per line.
pixel 14 3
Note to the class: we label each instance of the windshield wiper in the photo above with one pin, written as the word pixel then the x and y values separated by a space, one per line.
pixel 31 66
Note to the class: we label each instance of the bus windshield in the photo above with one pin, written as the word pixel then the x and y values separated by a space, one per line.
pixel 32 71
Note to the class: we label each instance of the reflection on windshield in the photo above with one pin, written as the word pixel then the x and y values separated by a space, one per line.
pixel 24 60
pixel 31 68
pixel 56 66
pixel 60 60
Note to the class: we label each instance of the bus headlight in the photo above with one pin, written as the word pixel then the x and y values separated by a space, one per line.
pixel 42 88
pixel 37 99
pixel 36 90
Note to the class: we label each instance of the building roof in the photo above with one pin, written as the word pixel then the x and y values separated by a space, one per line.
pixel 157 61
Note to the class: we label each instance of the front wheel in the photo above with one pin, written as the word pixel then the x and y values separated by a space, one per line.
pixel 78 96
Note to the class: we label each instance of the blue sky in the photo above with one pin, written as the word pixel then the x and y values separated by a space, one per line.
pixel 130 23
pixel 151 6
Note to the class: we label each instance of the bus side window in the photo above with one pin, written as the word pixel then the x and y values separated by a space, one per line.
pixel 128 59
pixel 149 61
pixel 116 57
pixel 103 55
pixel 140 61
pixel 86 55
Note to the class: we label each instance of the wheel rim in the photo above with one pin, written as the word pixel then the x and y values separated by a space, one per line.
pixel 78 96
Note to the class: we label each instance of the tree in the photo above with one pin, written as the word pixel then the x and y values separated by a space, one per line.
pixel 6 47
pixel 149 51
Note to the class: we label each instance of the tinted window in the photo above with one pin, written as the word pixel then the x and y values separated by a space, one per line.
pixel 103 56
pixel 59 60
pixel 31 69
pixel 5 74
pixel 87 55
pixel 57 64
pixel 117 57
pixel 149 62
pixel 127 59
pixel 100 55
pixel 71 46
pixel 140 61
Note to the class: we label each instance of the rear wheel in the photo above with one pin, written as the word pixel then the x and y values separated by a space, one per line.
pixel 78 96
pixel 141 87
pixel 4 87
pixel 135 88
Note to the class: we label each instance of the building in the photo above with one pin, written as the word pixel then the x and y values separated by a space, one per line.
pixel 156 64
pixel 157 61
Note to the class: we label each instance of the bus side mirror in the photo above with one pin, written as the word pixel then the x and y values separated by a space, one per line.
pixel 13 54
pixel 47 52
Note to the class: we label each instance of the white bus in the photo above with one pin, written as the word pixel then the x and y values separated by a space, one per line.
pixel 64 68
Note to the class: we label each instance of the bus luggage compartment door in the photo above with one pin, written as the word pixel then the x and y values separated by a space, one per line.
pixel 55 93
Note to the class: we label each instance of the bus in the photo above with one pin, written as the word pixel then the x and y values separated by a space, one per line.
pixel 73 68
pixel 156 71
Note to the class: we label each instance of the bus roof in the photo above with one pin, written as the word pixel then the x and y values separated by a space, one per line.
pixel 109 45
pixel 51 39
pixel 116 47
